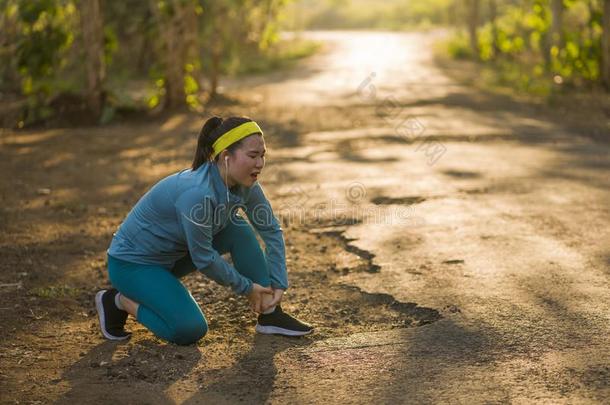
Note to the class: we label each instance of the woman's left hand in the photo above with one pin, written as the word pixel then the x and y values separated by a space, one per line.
pixel 278 293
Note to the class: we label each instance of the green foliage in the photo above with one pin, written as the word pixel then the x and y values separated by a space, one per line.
pixel 36 42
pixel 44 37
pixel 458 46
pixel 519 45
pixel 191 87
pixel 580 55
pixel 241 30
pixel 154 99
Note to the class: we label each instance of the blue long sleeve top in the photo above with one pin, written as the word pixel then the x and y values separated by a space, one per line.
pixel 181 214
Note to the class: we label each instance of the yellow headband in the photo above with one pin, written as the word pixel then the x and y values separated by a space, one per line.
pixel 236 134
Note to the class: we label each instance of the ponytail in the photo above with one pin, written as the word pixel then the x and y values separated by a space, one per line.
pixel 204 142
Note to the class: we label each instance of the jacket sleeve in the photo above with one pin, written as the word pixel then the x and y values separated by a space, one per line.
pixel 260 214
pixel 196 216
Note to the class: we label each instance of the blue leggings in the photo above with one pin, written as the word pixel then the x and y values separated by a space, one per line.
pixel 167 308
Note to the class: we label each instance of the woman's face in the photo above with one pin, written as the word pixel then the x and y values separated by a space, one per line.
pixel 247 162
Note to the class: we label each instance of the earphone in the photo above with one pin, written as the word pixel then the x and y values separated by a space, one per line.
pixel 227 176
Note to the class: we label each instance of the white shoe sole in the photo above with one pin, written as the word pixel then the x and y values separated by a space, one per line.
pixel 100 314
pixel 275 330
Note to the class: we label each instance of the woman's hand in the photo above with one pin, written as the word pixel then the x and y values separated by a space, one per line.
pixel 278 293
pixel 256 297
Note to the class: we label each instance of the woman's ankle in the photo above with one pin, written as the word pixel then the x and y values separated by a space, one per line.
pixel 267 299
pixel 269 310
pixel 128 305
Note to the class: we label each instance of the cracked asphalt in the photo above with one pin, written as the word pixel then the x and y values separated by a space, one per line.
pixel 486 210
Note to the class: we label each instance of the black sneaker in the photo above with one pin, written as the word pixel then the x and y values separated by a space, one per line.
pixel 280 323
pixel 112 319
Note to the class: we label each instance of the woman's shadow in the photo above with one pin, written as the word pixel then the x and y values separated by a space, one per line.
pixel 252 377
pixel 117 372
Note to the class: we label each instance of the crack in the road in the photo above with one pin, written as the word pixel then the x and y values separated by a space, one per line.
pixel 422 315
pixel 383 200
pixel 462 174
pixel 367 256
pixel 414 315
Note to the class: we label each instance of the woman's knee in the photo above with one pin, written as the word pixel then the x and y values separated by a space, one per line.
pixel 190 329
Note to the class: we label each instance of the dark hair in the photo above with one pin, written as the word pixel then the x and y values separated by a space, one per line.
pixel 213 129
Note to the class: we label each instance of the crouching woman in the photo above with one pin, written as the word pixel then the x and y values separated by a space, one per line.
pixel 185 223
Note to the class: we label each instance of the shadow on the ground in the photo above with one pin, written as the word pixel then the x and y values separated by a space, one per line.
pixel 123 365
pixel 251 378
pixel 462 357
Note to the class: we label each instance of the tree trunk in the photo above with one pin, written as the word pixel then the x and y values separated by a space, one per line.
pixel 9 75
pixel 605 71
pixel 174 59
pixel 215 70
pixel 556 23
pixel 92 23
pixel 493 15
pixel 452 12
pixel 145 52
pixel 173 29
pixel 473 22
pixel 217 43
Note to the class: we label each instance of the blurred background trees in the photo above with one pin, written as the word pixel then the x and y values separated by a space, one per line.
pixel 94 58
pixel 539 45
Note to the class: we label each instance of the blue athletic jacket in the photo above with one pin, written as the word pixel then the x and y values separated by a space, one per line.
pixel 181 214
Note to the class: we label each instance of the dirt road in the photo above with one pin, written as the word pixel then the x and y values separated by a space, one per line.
pixel 450 246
